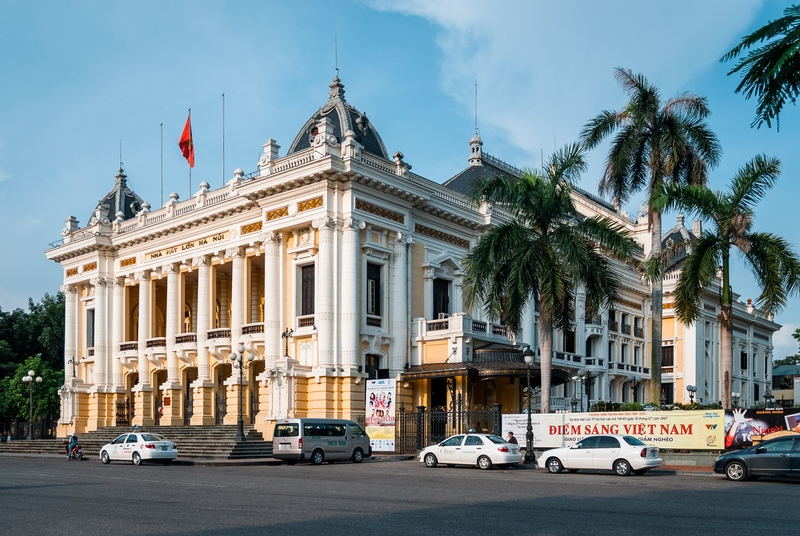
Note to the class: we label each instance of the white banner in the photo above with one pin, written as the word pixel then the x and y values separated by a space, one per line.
pixel 380 414
pixel 696 430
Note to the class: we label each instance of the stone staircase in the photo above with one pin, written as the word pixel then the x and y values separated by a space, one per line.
pixel 194 442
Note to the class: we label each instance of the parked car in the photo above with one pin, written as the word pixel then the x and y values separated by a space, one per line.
pixel 622 454
pixel 318 440
pixel 483 450
pixel 775 457
pixel 139 447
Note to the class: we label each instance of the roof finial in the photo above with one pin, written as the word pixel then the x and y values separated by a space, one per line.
pixel 337 88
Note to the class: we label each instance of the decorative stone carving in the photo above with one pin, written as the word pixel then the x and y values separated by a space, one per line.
pixel 325 222
pixel 353 223
pixel 236 251
pixel 202 260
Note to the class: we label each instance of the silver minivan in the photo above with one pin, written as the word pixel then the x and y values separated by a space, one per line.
pixel 319 440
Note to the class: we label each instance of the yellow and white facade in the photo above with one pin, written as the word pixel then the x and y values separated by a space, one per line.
pixel 330 265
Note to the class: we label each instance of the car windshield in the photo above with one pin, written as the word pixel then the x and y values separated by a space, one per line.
pixel 497 440
pixel 150 437
pixel 633 441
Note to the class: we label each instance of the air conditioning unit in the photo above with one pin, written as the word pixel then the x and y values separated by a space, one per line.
pixel 442 316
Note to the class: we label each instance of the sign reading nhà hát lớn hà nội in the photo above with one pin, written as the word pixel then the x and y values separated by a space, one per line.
pixel 188 246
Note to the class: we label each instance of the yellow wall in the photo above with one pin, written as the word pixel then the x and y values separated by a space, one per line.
pixel 435 351
pixel 417 280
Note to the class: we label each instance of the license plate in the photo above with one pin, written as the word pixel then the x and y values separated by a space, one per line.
pixel 284 446
pixel 163 447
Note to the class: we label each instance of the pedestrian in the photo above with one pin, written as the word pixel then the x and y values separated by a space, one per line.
pixel 512 439
pixel 8 439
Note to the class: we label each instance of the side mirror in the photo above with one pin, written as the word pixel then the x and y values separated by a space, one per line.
pixel 575 446
pixel 761 450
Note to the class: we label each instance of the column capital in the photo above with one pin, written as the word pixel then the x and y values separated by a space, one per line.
pixel 323 223
pixel 201 260
pixel 98 281
pixel 117 281
pixel 68 288
pixel 269 237
pixel 234 252
pixel 401 239
pixel 353 224
pixel 170 268
pixel 144 275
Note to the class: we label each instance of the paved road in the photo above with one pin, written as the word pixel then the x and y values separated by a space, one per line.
pixel 50 496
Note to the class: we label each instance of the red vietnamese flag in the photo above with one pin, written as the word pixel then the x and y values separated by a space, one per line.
pixel 187 144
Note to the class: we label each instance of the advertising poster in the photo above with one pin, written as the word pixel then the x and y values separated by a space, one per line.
pixel 695 430
pixel 380 418
pixel 742 424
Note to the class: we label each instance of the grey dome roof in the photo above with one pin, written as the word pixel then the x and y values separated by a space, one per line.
pixel 344 117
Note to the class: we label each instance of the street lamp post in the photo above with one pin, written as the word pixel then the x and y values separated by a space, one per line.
pixel 529 457
pixel 767 397
pixel 238 361
pixel 581 385
pixel 663 400
pixel 692 390
pixel 574 403
pixel 735 399
pixel 286 335
pixel 29 379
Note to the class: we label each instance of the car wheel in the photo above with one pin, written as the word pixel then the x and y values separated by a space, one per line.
pixel 105 458
pixel 484 462
pixel 430 460
pixel 166 462
pixel 639 472
pixel 317 457
pixel 622 467
pixel 736 471
pixel 554 465
pixel 358 456
pixel 136 459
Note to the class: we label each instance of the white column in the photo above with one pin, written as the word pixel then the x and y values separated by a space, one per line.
pixel 224 299
pixel 428 294
pixel 173 320
pixel 399 311
pixel 117 323
pixel 580 324
pixel 237 293
pixel 144 326
pixel 100 331
pixel 272 298
pixel 70 331
pixel 203 324
pixel 323 308
pixel 351 295
pixel 255 293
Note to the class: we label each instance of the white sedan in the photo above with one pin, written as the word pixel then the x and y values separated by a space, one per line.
pixel 620 453
pixel 483 450
pixel 138 447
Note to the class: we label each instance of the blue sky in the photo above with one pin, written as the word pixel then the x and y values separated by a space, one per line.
pixel 78 78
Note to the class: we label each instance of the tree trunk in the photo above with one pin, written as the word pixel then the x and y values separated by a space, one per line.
pixel 726 336
pixel 657 320
pixel 546 351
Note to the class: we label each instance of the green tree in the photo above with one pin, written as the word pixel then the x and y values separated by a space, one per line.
pixel 543 253
pixel 770 72
pixel 15 394
pixel 656 143
pixel 771 259
pixel 39 330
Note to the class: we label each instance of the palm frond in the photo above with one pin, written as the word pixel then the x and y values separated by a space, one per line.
pixel 699 269
pixel 752 181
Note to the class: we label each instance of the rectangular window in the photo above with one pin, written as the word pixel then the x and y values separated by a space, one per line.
pixel 743 360
pixel 569 342
pixel 307 290
pixel 667 356
pixel 441 298
pixel 90 328
pixel 373 289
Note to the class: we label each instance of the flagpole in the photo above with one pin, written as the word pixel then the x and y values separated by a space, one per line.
pixel 161 126
pixel 223 139
pixel 190 167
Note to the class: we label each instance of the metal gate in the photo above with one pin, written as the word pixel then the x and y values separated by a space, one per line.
pixel 188 409
pixel 123 416
pixel 418 429
pixel 253 407
pixel 221 408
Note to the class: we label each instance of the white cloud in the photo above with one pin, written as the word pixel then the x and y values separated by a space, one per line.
pixel 783 342
pixel 545 68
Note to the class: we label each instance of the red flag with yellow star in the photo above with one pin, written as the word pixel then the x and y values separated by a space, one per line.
pixel 187 144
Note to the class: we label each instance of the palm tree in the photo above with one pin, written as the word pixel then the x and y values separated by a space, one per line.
pixel 771 259
pixel 543 253
pixel 656 142
pixel 772 71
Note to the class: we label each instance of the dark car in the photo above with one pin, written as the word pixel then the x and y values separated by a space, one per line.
pixel 776 457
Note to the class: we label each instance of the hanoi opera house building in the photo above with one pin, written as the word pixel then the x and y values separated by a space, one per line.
pixel 339 242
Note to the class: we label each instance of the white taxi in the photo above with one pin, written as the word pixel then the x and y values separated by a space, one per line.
pixel 619 453
pixel 483 450
pixel 139 447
